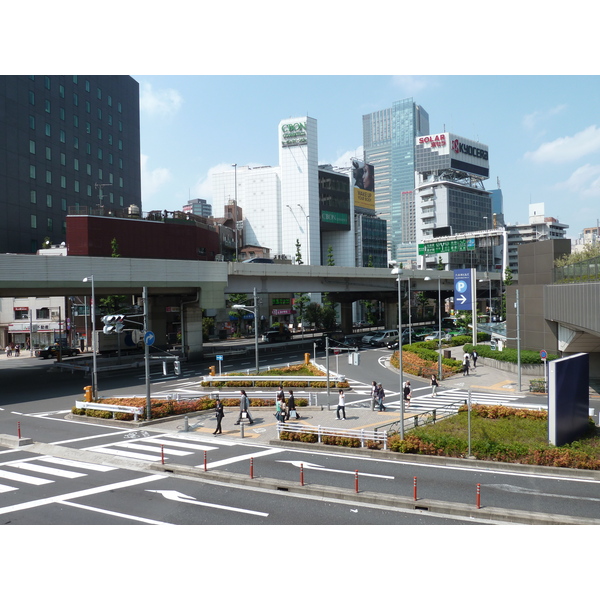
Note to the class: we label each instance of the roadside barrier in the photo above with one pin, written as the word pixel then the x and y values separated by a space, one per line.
pixel 364 435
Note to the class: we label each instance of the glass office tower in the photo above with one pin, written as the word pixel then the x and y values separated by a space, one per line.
pixel 389 143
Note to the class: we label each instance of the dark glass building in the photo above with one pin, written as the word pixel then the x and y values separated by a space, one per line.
pixel 69 144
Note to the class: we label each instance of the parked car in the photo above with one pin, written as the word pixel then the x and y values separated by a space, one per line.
pixel 365 340
pixel 384 337
pixel 277 336
pixel 52 351
pixel 446 337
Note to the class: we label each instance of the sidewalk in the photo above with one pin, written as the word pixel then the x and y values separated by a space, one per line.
pixel 264 428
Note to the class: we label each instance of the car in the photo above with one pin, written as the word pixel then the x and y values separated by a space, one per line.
pixel 52 351
pixel 382 338
pixel 259 260
pixel 277 336
pixel 365 340
pixel 446 337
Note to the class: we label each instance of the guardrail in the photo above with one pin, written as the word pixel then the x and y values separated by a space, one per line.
pixel 113 408
pixel 424 418
pixel 208 380
pixel 363 435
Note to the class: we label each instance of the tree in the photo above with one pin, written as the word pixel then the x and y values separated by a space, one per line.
pixel 239 314
pixel 113 304
pixel 301 302
pixel 314 314
pixel 299 260
pixel 330 259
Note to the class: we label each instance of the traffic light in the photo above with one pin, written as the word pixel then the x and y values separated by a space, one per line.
pixel 113 323
pixel 177 367
pixel 212 371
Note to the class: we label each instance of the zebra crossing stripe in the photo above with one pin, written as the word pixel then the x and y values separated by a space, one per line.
pixel 75 463
pixel 29 466
pixel 24 478
pixel 7 488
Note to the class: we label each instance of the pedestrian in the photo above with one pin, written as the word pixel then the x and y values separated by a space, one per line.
pixel 406 393
pixel 381 397
pixel 466 365
pixel 374 394
pixel 8 350
pixel 475 355
pixel 219 413
pixel 278 407
pixel 291 405
pixel 244 408
pixel 341 406
pixel 434 386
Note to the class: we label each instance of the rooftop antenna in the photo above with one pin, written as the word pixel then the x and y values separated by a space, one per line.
pixel 99 187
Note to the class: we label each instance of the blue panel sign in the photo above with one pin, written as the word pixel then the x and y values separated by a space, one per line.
pixel 463 289
pixel 149 338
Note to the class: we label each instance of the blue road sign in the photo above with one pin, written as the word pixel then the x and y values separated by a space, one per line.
pixel 463 289
pixel 219 357
pixel 149 338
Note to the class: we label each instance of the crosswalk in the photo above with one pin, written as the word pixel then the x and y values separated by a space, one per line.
pixel 43 470
pixel 155 449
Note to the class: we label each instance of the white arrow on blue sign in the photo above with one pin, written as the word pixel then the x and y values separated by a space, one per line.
pixel 462 289
pixel 149 338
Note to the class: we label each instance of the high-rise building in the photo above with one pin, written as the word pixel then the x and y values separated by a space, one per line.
pixel 199 207
pixel 69 144
pixel 450 198
pixel 389 145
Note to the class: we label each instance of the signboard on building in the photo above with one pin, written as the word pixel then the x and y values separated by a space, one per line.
pixel 363 178
pixel 459 245
pixel 293 134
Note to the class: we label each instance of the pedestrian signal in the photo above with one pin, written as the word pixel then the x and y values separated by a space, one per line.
pixel 177 366
pixel 113 323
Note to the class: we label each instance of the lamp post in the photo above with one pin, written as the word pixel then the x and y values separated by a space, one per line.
pixel 439 326
pixel 235 209
pixel 397 271
pixel 94 349
pixel 255 313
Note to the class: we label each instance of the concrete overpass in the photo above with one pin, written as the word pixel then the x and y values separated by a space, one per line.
pixel 202 285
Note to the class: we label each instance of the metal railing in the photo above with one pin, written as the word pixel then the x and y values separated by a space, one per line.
pixel 423 418
pixel 364 435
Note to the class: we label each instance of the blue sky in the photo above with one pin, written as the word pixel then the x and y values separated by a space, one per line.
pixel 543 132
pixel 217 78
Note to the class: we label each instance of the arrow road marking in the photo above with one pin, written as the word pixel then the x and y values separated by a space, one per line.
pixel 297 463
pixel 179 497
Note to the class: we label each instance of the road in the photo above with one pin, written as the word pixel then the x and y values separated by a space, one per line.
pixel 38 488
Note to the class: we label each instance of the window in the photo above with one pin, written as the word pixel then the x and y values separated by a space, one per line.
pixel 63 182
pixel 48 176
pixel 32 171
pixel 42 313
pixel 47 106
pixel 33 221
pixel 31 147
pixel 33 197
pixel 32 98
pixel 49 224
pixel 48 153
pixel 31 122
pixel 21 313
pixel 49 200
pixel 48 129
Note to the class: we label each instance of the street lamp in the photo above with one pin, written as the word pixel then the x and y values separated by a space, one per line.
pixel 94 349
pixel 255 313
pixel 397 271
pixel 439 326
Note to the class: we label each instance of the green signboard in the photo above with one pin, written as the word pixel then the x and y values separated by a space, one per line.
pixel 463 245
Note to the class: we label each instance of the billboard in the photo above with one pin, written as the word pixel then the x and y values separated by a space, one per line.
pixel 363 180
pixel 451 151
pixel 568 398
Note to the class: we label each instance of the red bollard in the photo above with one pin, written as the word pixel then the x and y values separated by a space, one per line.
pixel 205 460
pixel 19 429
pixel 301 474
pixel 162 454
pixel 478 495
pixel 356 481
pixel 251 468
pixel 415 489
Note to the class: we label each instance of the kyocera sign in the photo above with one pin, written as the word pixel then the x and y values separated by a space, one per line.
pixel 464 148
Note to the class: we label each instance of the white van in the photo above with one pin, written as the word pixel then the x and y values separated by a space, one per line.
pixel 385 337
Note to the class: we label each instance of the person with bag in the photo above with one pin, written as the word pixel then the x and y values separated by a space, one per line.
pixel 374 395
pixel 292 412
pixel 220 413
pixel 381 397
pixel 244 408
pixel 406 393
pixel 434 386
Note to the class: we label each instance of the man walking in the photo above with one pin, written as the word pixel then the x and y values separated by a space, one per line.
pixel 244 407
pixel 341 406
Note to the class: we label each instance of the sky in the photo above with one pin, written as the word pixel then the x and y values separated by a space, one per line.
pixel 216 79
pixel 543 132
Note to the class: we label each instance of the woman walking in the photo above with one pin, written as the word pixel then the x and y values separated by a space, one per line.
pixel 341 406
pixel 434 386
pixel 406 393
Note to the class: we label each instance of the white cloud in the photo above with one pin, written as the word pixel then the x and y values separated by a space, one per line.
pixel 345 160
pixel 152 179
pixel 585 181
pixel 532 120
pixel 159 102
pixel 567 148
